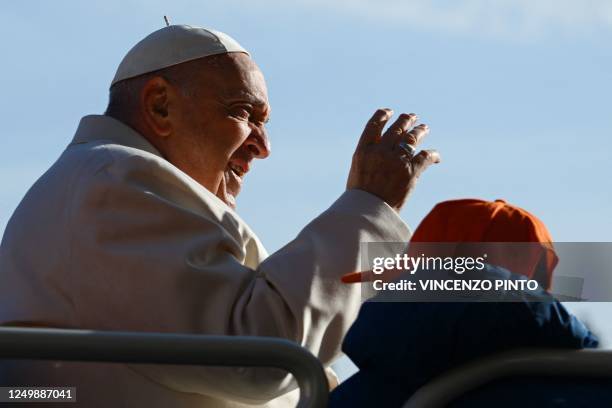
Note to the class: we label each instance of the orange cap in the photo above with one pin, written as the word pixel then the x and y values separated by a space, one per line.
pixel 473 220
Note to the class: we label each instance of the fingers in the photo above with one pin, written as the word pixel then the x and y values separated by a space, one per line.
pixel 423 160
pixel 417 134
pixel 394 134
pixel 373 129
pixel 385 168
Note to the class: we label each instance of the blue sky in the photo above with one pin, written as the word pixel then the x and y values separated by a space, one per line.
pixel 517 94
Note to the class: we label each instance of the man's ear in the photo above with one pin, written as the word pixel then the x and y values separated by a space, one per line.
pixel 154 102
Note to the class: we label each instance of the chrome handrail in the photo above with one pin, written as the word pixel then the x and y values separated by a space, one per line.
pixel 543 362
pixel 164 348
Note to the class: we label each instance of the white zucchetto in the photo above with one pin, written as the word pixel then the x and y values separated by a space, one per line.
pixel 173 45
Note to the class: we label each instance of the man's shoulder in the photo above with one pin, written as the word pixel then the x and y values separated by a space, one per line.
pixel 103 159
pixel 110 169
pixel 98 155
pixel 101 141
pixel 129 179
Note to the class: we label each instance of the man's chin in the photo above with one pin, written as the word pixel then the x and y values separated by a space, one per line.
pixel 230 190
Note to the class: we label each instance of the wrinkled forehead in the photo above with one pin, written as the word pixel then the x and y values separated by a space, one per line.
pixel 235 77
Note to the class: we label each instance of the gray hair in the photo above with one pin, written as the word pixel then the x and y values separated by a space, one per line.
pixel 123 96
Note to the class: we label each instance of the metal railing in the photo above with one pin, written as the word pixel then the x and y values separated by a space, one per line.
pixel 158 348
pixel 545 362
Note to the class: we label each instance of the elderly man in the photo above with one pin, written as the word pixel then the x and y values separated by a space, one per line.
pixel 133 228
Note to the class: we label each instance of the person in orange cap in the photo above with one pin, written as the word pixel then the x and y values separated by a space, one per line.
pixel 400 346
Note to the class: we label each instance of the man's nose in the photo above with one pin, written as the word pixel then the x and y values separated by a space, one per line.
pixel 258 143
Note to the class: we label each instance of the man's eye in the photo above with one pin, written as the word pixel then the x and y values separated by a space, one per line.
pixel 241 113
pixel 261 123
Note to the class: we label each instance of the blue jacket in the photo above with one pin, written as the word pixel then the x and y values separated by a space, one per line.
pixel 400 346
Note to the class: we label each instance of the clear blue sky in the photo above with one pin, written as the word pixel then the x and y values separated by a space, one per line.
pixel 517 94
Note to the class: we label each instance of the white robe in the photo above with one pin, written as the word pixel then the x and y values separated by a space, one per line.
pixel 114 237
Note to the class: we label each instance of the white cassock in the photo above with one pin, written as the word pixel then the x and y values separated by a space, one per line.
pixel 114 237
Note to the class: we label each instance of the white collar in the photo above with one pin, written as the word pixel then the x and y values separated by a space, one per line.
pixel 101 127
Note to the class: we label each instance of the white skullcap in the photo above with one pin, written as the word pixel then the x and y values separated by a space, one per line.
pixel 173 45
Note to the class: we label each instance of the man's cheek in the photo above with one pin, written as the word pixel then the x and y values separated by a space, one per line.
pixel 236 133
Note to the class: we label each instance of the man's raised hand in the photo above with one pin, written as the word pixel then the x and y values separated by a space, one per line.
pixel 383 164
